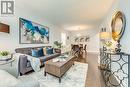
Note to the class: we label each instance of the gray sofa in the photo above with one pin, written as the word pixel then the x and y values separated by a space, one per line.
pixel 24 63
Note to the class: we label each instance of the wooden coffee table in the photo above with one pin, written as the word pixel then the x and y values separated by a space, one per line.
pixel 58 69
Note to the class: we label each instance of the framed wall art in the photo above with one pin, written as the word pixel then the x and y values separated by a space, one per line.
pixel 32 33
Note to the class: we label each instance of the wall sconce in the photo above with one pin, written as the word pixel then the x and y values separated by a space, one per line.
pixel 4 28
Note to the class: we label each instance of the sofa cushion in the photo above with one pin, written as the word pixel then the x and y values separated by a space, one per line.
pixel 7 80
pixel 24 51
pixel 47 57
pixel 49 51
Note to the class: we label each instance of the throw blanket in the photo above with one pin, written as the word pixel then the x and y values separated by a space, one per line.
pixel 35 62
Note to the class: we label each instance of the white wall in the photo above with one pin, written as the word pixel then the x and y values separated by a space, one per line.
pixel 93 43
pixel 11 41
pixel 124 6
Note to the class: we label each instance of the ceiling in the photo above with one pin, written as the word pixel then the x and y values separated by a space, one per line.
pixel 68 14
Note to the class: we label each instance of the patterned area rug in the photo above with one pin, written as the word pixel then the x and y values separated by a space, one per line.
pixel 74 77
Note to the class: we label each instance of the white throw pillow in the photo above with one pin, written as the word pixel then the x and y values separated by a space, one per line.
pixel 6 79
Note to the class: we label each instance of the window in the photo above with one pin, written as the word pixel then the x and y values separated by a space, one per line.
pixel 63 38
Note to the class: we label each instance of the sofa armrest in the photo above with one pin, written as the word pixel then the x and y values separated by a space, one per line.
pixel 57 50
pixel 23 64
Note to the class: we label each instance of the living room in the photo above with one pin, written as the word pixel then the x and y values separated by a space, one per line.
pixel 55 27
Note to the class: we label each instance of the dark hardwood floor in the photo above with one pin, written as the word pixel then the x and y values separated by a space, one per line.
pixel 94 78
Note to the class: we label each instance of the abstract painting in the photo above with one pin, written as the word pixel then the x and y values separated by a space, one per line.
pixel 32 33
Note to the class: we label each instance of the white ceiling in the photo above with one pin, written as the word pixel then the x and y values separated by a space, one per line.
pixel 68 14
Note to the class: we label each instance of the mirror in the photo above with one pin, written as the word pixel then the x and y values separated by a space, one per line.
pixel 118 26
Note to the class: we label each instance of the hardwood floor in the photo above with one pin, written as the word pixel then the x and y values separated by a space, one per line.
pixel 94 78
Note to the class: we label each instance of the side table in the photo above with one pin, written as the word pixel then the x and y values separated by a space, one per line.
pixel 7 62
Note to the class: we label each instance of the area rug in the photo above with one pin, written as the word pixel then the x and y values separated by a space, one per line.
pixel 74 77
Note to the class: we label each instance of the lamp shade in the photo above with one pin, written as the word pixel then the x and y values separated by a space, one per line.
pixel 105 35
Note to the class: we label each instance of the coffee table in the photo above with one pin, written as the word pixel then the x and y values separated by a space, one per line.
pixel 59 68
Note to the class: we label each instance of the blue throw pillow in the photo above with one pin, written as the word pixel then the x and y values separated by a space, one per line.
pixel 40 52
pixel 37 53
pixel 49 50
pixel 34 53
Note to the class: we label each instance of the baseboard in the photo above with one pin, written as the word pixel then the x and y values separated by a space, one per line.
pixel 93 52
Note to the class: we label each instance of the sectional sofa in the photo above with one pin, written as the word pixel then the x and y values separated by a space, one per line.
pixel 24 63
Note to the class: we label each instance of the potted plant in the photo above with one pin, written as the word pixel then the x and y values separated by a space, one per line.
pixel 4 55
pixel 108 45
pixel 57 46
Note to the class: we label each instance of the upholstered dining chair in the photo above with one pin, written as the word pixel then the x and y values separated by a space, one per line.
pixel 76 50
pixel 85 48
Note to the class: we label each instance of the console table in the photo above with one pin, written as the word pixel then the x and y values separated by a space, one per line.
pixel 115 69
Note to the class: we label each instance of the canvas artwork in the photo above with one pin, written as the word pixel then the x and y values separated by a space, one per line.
pixel 33 33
